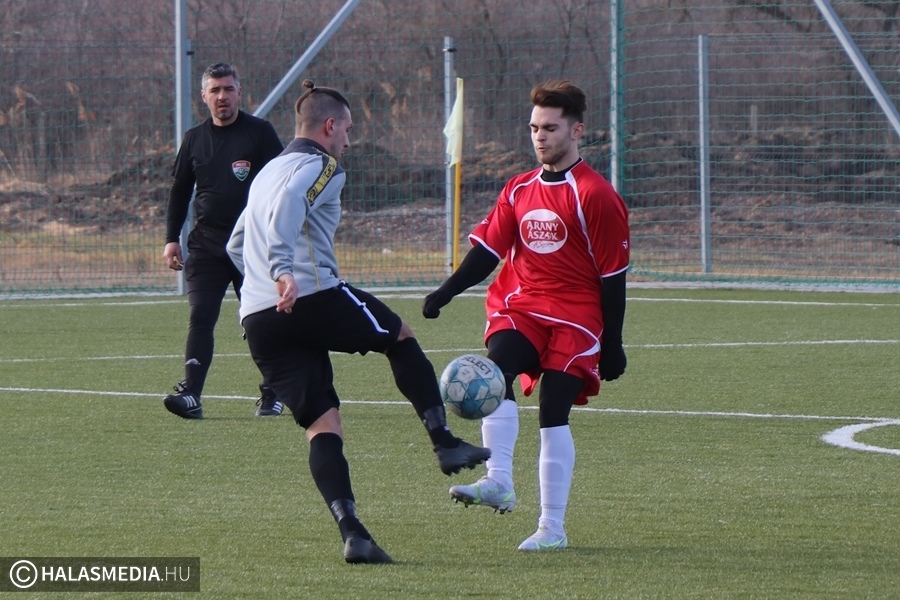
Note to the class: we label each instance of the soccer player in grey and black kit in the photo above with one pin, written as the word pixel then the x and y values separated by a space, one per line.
pixel 221 156
pixel 295 309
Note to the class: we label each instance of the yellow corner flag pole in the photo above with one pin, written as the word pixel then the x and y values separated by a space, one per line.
pixel 453 131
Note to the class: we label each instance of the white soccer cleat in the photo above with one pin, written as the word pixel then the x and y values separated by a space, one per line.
pixel 545 539
pixel 486 492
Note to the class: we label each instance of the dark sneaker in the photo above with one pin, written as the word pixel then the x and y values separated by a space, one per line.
pixel 184 403
pixel 464 456
pixel 358 550
pixel 269 405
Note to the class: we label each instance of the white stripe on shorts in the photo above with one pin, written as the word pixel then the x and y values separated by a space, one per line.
pixel 366 310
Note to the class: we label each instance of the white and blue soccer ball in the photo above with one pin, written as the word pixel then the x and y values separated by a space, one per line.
pixel 472 386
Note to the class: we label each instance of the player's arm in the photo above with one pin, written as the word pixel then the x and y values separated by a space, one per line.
pixel 475 268
pixel 612 304
pixel 235 246
pixel 607 218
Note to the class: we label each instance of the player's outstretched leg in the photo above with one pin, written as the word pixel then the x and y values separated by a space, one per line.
pixel 415 378
pixel 461 456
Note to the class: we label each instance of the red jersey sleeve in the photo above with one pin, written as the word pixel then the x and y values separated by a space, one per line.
pixel 607 222
pixel 498 231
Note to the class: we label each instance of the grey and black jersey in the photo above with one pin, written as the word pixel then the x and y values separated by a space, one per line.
pixel 292 213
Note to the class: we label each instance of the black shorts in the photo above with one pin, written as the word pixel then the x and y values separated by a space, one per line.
pixel 291 350
pixel 208 267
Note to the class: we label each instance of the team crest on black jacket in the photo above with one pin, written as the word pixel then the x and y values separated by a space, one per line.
pixel 241 168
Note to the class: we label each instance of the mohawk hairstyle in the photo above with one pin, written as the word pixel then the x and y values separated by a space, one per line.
pixel 317 104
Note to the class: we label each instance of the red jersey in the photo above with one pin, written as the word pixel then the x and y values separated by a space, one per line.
pixel 560 234
pixel 559 238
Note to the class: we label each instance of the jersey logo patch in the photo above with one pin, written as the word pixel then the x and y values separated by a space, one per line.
pixel 324 177
pixel 543 231
pixel 241 169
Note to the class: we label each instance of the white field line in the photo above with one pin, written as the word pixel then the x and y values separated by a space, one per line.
pixel 747 344
pixel 469 350
pixel 586 409
pixel 842 437
pixel 765 302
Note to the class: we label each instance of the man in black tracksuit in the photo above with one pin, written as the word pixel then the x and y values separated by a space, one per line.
pixel 221 156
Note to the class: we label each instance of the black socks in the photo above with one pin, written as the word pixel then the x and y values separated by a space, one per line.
pixel 344 513
pixel 414 376
pixel 331 473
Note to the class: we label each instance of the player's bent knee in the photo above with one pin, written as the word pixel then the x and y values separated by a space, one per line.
pixel 558 393
pixel 330 422
pixel 405 332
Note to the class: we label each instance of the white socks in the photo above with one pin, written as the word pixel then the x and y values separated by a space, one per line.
pixel 555 468
pixel 499 431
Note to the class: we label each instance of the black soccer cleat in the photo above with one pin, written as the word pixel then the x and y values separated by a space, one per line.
pixel 359 550
pixel 463 456
pixel 184 403
pixel 268 403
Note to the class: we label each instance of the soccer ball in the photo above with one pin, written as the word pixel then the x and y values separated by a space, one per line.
pixel 472 386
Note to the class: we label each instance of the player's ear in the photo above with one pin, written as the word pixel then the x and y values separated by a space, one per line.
pixel 577 130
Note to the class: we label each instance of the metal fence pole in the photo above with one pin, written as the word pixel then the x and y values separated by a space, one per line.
pixel 183 117
pixel 865 71
pixel 307 57
pixel 703 76
pixel 449 90
pixel 615 96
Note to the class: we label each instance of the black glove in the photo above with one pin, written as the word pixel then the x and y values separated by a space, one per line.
pixel 475 267
pixel 612 361
pixel 435 301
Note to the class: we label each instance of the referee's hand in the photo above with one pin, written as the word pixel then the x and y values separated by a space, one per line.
pixel 172 256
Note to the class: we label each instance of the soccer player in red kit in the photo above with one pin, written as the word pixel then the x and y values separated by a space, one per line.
pixel 555 310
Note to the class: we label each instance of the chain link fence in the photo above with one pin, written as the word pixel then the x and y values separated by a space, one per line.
pixel 803 164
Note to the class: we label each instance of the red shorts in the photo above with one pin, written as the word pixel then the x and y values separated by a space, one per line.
pixel 562 346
